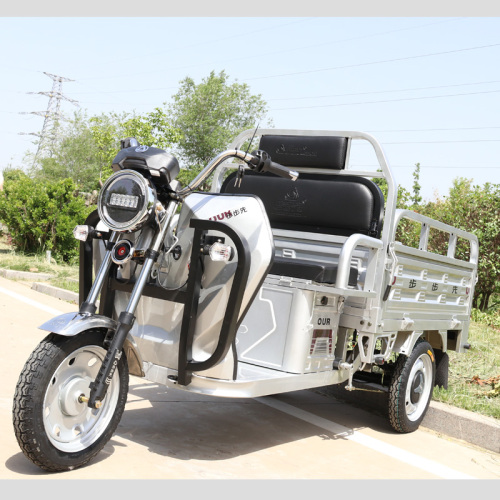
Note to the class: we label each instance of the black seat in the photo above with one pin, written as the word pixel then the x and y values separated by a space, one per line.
pixel 316 203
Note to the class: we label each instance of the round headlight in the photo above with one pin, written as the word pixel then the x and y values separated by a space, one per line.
pixel 126 201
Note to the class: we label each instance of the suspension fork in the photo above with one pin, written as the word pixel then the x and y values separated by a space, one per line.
pixel 126 319
pixel 89 306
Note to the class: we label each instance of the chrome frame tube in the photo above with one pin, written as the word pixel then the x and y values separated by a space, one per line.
pixel 102 273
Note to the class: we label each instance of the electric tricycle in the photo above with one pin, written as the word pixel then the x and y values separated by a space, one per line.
pixel 286 275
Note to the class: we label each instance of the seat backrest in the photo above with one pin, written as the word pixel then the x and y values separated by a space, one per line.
pixel 316 202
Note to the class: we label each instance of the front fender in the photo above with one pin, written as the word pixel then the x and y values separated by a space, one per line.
pixel 71 324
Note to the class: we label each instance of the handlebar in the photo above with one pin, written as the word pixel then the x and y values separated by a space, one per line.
pixel 258 160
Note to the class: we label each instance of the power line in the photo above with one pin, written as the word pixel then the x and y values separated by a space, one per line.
pixel 205 42
pixel 443 142
pixel 313 71
pixel 397 59
pixel 434 129
pixel 383 91
pixel 253 56
pixel 432 166
pixel 386 100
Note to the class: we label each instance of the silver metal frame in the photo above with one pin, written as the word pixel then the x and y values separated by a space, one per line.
pixel 388 230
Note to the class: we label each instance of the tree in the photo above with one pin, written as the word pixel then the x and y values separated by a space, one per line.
pixel 87 146
pixel 210 114
pixel 416 198
pixel 150 129
pixel 74 157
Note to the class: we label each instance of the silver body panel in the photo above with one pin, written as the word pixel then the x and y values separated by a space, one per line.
pixel 158 322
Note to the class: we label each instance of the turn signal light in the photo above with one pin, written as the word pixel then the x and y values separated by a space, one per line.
pixel 220 252
pixel 81 232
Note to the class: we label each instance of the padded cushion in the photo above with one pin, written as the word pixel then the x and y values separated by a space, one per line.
pixel 306 151
pixel 320 272
pixel 329 204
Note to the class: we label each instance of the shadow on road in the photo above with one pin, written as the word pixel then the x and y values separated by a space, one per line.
pixel 184 426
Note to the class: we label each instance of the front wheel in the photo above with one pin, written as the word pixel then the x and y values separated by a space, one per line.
pixel 54 426
pixel 411 387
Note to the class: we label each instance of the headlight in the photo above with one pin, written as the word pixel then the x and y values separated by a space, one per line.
pixel 126 201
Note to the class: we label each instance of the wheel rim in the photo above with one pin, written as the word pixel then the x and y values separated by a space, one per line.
pixel 419 387
pixel 71 425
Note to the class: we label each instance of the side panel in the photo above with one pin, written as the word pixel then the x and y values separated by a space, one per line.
pixel 429 292
pixel 158 324
pixel 290 330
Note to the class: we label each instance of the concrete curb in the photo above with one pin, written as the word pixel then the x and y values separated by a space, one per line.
pixel 24 275
pixel 464 425
pixel 56 292
pixel 441 418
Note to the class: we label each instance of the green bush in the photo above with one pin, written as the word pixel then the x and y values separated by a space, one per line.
pixel 41 215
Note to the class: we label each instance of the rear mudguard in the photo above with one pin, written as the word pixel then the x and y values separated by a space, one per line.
pixel 71 324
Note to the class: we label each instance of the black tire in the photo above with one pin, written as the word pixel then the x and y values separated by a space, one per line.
pixel 54 430
pixel 410 390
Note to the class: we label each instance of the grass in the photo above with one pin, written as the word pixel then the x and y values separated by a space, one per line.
pixel 64 275
pixel 474 376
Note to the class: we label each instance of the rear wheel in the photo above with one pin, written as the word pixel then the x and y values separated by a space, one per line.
pixel 411 387
pixel 54 426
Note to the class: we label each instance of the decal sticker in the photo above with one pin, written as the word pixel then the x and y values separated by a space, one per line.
pixel 321 342
pixel 228 214
pixel 431 355
pixel 323 321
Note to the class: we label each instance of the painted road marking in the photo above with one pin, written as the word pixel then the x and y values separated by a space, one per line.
pixel 30 302
pixel 375 444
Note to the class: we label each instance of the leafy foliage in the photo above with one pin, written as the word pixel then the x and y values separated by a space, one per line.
pixel 212 113
pixel 74 157
pixel 86 147
pixel 150 129
pixel 416 197
pixel 41 215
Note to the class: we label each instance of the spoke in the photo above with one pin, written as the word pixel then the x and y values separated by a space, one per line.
pixel 410 407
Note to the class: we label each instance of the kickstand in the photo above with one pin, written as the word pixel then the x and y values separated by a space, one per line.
pixel 350 367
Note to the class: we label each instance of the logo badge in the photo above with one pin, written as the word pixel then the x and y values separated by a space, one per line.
pixel 141 149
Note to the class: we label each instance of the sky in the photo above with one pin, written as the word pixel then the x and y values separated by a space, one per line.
pixel 427 87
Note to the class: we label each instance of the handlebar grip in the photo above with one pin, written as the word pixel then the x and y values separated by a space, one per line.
pixel 263 163
pixel 282 171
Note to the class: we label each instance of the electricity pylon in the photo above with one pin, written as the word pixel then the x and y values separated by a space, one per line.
pixel 48 135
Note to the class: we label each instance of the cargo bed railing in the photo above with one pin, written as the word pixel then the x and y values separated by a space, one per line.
pixel 427 224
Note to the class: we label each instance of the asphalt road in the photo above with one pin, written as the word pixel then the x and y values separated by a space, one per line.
pixel 172 434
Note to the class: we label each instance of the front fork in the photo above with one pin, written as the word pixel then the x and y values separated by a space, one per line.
pixel 126 319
